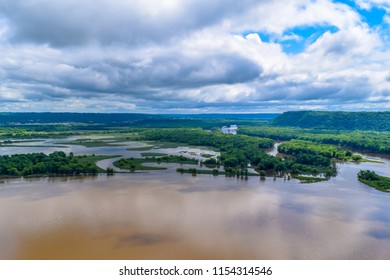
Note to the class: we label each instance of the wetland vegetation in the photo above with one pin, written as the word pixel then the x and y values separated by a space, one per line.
pixel 374 180
pixel 56 163
pixel 310 149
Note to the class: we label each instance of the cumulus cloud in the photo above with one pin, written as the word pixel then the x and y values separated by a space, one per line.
pixel 71 22
pixel 188 55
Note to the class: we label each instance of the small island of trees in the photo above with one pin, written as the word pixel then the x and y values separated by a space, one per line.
pixel 56 163
pixel 374 180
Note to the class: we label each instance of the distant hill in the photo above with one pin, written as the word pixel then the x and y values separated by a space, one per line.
pixel 102 120
pixel 265 116
pixel 42 118
pixel 379 121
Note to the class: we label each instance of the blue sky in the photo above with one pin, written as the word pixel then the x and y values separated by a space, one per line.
pixel 194 56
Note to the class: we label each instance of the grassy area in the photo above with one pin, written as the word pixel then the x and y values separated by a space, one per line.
pixel 112 140
pixel 90 143
pixel 134 164
pixel 95 158
pixel 172 145
pixel 157 145
pixel 152 154
pixel 371 160
pixel 167 145
pixel 308 179
pixel 374 180
pixel 382 185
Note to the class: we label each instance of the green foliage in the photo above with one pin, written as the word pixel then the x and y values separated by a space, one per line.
pixel 200 137
pixel 316 154
pixel 110 171
pixel 357 157
pixel 299 148
pixel 211 162
pixel 374 180
pixel 236 150
pixel 56 163
pixel 312 158
pixel 308 180
pixel 371 141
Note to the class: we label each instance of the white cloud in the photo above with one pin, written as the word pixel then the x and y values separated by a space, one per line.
pixel 278 16
pixel 148 55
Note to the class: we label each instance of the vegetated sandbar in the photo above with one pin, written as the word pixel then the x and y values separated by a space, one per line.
pixel 374 180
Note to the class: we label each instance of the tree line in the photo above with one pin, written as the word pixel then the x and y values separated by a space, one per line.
pixel 56 163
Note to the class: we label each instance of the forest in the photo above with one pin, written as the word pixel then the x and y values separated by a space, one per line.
pixel 369 141
pixel 237 151
pixel 56 163
pixel 321 151
pixel 374 180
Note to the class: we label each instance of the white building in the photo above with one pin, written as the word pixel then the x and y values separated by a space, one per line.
pixel 229 130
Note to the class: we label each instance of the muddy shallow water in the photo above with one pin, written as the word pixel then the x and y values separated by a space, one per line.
pixel 164 215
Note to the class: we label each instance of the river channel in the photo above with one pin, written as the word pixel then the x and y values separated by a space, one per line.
pixel 165 215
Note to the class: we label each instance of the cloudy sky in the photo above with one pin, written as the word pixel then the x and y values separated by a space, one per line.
pixel 194 56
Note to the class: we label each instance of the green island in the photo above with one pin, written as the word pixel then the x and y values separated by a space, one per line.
pixel 309 179
pixel 135 164
pixel 374 180
pixel 56 163
pixel 317 157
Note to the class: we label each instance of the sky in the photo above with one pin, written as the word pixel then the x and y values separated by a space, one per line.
pixel 194 56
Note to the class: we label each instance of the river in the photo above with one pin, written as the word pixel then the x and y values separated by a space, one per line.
pixel 164 215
